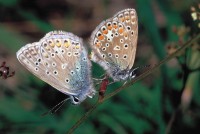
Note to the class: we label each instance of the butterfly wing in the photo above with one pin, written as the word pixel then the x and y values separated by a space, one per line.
pixel 60 60
pixel 114 41
pixel 130 21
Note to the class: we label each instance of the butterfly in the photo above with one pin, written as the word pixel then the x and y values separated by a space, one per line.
pixel 114 44
pixel 60 60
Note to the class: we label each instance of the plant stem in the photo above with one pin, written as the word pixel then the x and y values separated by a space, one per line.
pixel 146 73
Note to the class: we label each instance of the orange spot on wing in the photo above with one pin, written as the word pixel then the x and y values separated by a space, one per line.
pixel 100 37
pixel 121 30
pixel 105 31
pixel 115 26
pixel 98 45
pixel 109 27
pixel 121 19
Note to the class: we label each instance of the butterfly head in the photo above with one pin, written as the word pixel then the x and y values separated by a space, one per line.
pixel 75 100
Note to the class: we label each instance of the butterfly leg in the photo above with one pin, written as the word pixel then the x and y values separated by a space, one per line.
pixel 100 79
pixel 124 83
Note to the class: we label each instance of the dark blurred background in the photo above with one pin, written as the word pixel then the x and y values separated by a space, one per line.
pixel 150 106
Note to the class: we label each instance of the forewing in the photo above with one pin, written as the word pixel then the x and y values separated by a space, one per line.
pixel 114 40
pixel 129 19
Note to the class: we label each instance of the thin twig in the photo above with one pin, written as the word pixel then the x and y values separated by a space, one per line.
pixel 84 117
pixel 146 73
pixel 171 121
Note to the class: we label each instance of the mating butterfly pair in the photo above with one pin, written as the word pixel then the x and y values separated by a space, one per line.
pixel 61 60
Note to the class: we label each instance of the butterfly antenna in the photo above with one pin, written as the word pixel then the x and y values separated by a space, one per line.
pixel 56 107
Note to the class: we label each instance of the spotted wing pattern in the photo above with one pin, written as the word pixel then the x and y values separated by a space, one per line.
pixel 114 41
pixel 60 60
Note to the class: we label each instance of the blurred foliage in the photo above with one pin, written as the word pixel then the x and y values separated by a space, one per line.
pixel 147 107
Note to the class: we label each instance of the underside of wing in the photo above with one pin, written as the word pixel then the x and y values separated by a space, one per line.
pixel 114 41
pixel 60 60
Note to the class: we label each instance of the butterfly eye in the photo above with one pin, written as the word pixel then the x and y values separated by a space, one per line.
pixel 75 100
